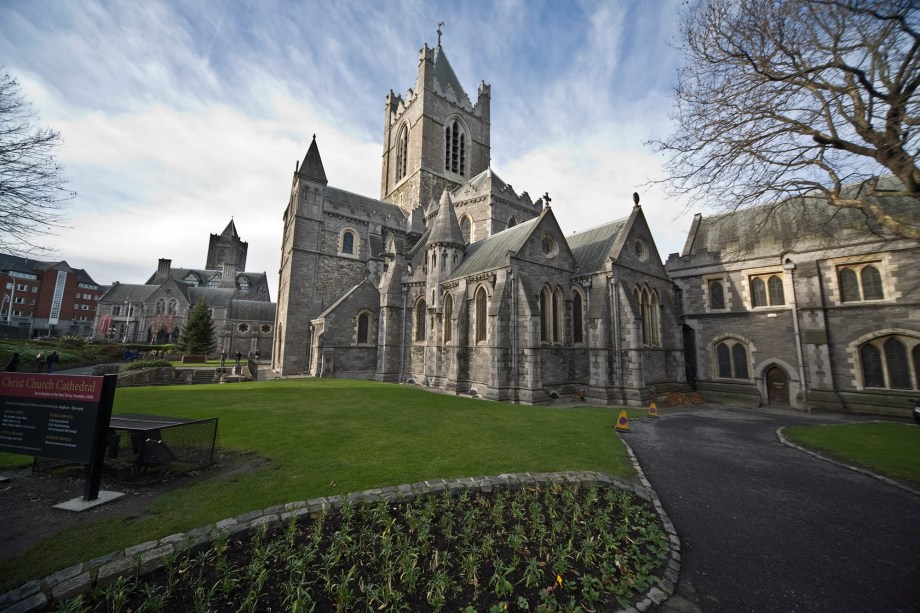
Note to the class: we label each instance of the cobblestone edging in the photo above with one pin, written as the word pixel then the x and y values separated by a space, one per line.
pixel 865 471
pixel 150 556
pixel 657 595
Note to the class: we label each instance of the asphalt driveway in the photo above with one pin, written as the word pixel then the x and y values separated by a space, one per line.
pixel 765 527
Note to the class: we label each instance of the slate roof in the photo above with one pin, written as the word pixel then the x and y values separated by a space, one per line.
pixel 16 263
pixel 312 166
pixel 230 230
pixel 332 307
pixel 446 229
pixel 361 206
pixel 492 252
pixel 444 73
pixel 214 296
pixel 204 274
pixel 128 292
pixel 252 310
pixel 592 248
pixel 792 221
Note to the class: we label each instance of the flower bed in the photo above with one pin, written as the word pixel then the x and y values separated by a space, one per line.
pixel 550 546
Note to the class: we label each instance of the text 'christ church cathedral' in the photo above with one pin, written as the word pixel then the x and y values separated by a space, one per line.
pixel 456 281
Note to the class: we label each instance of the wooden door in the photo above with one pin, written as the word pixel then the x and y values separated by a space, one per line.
pixel 777 386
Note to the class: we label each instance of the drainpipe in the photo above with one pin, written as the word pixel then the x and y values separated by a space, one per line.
pixel 402 336
pixel 514 319
pixel 789 266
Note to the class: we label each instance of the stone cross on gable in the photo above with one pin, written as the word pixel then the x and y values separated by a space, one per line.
pixel 440 25
pixel 546 199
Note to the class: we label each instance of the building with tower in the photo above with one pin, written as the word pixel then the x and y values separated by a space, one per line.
pixel 454 280
pixel 154 312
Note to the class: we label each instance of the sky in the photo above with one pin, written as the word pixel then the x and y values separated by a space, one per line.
pixel 178 116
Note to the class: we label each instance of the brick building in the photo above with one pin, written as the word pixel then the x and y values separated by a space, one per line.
pixel 452 279
pixel 47 298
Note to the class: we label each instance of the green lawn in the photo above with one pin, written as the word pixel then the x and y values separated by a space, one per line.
pixel 324 437
pixel 888 448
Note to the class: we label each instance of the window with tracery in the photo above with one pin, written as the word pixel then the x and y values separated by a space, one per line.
pixel 402 153
pixel 648 309
pixel 482 302
pixel 466 228
pixel 732 360
pixel 767 290
pixel 455 148
pixel 860 282
pixel 891 362
pixel 420 320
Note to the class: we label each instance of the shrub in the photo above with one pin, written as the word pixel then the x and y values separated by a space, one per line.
pixel 146 364
pixel 73 340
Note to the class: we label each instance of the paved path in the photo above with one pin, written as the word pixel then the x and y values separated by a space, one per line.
pixel 765 527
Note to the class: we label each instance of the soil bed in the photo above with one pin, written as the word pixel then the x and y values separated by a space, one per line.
pixel 559 548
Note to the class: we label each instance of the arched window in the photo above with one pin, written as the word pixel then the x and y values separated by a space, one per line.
pixel 420 320
pixel 402 153
pixel 466 228
pixel 775 286
pixel 443 260
pixel 648 307
pixel 482 303
pixel 434 262
pixel 454 148
pixel 724 359
pixel 545 315
pixel 732 359
pixel 448 313
pixel 898 370
pixel 767 290
pixel 849 286
pixel 871 283
pixel 758 292
pixel 891 362
pixel 172 307
pixel 873 374
pixel 348 242
pixel 557 316
pixel 577 319
pixel 364 324
pixel 512 222
pixel 716 295
pixel 161 307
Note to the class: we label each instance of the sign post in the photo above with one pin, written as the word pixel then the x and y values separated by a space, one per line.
pixel 59 417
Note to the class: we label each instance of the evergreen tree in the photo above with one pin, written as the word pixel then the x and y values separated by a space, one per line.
pixel 198 334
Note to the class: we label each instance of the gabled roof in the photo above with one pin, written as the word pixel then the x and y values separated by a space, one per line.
pixel 312 166
pixel 592 248
pixel 445 75
pixel 492 252
pixel 128 292
pixel 332 307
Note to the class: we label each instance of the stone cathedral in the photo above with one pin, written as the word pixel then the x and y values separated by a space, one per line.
pixel 454 280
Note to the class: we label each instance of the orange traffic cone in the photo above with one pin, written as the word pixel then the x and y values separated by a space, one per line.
pixel 653 411
pixel 622 422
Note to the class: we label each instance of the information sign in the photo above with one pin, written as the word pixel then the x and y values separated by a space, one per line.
pixel 49 416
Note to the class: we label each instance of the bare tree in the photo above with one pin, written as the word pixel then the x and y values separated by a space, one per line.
pixel 800 97
pixel 32 185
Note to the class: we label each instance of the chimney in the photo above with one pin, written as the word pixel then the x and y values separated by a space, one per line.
pixel 163 269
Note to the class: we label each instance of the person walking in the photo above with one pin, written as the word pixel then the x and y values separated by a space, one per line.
pixel 13 364
pixel 239 356
pixel 52 359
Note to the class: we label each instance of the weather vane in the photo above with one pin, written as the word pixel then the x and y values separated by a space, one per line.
pixel 440 25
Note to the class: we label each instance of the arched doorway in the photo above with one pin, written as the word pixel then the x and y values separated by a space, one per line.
pixel 777 386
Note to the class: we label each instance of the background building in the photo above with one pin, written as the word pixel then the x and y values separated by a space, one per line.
pixel 47 298
pixel 155 312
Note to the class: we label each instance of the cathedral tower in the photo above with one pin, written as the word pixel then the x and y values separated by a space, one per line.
pixel 435 138
pixel 226 248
